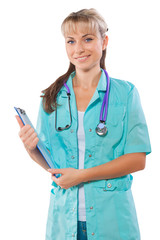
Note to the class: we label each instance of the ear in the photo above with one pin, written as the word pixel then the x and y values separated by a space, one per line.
pixel 105 43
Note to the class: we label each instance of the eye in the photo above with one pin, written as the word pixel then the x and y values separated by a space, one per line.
pixel 88 39
pixel 70 42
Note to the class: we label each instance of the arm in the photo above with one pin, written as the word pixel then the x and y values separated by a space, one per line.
pixel 37 157
pixel 118 167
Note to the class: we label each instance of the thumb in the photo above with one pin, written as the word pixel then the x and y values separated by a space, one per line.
pixel 19 121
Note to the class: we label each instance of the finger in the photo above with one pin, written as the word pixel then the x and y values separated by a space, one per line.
pixel 55 179
pixel 35 141
pixel 31 144
pixel 23 131
pixel 19 121
pixel 29 135
pixel 53 170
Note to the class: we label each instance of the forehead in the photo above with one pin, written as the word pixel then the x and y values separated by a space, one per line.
pixel 80 28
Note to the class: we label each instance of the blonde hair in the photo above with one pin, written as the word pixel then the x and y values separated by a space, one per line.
pixel 94 22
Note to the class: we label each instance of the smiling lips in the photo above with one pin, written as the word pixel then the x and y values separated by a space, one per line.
pixel 81 59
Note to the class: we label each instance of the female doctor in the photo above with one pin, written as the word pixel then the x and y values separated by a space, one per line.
pixel 95 130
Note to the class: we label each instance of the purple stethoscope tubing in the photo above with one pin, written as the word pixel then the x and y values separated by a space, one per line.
pixel 68 90
pixel 105 100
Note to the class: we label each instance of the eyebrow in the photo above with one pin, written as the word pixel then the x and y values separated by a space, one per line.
pixel 82 36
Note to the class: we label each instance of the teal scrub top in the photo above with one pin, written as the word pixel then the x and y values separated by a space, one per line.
pixel 110 209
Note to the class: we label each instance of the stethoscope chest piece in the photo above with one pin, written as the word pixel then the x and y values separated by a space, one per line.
pixel 101 129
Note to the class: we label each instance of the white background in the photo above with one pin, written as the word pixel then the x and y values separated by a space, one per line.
pixel 32 56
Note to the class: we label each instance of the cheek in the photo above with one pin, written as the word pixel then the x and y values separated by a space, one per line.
pixel 69 52
pixel 98 51
pixel 98 47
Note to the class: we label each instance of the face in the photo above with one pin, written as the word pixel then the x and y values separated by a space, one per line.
pixel 84 48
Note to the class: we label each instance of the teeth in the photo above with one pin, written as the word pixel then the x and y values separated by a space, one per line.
pixel 83 57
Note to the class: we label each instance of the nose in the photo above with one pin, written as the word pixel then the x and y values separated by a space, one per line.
pixel 79 48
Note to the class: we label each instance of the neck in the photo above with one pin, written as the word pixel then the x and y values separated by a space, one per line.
pixel 87 79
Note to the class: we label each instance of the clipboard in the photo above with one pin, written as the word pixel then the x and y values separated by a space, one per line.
pixel 40 145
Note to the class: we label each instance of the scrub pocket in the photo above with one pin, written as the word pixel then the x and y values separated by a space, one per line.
pixel 115 131
pixel 114 201
pixel 126 215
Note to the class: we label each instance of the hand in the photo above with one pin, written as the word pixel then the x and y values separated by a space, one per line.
pixel 69 177
pixel 27 135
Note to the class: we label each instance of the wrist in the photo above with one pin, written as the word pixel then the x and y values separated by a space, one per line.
pixel 83 175
pixel 31 151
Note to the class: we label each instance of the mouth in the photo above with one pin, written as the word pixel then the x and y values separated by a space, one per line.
pixel 82 58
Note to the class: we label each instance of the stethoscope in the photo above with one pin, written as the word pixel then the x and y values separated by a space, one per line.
pixel 101 128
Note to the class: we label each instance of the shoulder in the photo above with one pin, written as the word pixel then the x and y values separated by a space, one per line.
pixel 122 84
pixel 120 89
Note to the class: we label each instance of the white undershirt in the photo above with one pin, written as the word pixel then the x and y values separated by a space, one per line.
pixel 81 147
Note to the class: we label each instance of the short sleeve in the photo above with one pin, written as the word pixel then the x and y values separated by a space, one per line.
pixel 137 136
pixel 42 126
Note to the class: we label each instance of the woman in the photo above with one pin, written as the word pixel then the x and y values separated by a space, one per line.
pixel 92 198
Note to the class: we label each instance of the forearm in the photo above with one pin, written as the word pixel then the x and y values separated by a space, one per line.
pixel 118 167
pixel 38 158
